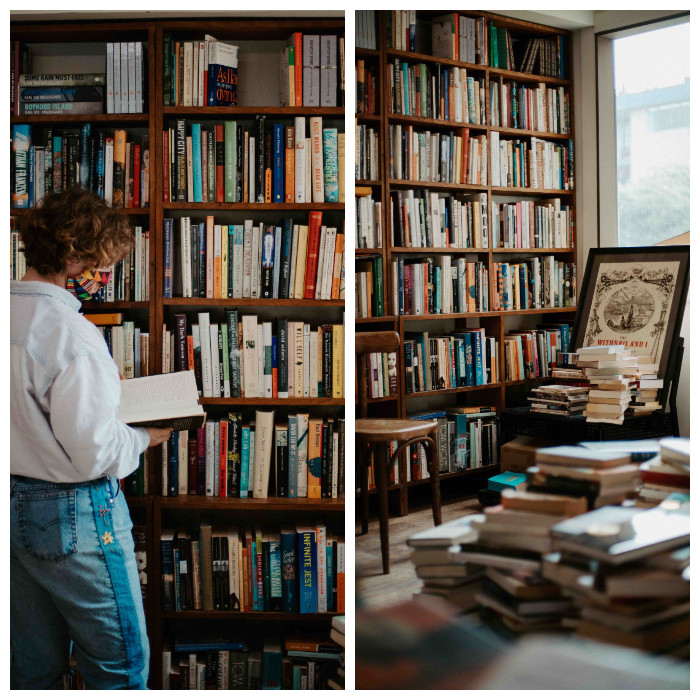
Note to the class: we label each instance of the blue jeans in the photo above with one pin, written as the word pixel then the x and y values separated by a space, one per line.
pixel 74 578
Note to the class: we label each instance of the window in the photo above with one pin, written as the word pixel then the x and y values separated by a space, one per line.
pixel 651 78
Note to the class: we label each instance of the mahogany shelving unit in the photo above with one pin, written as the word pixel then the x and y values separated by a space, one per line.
pixel 496 323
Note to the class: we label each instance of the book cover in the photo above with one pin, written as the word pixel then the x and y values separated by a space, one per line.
pixel 222 74
pixel 314 458
pixel 308 582
pixel 330 165
pixel 264 436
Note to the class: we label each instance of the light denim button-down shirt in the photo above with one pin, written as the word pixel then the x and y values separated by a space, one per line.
pixel 65 392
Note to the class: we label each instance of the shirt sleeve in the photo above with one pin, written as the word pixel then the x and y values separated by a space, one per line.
pixel 84 399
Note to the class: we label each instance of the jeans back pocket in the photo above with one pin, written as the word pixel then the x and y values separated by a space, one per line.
pixel 47 523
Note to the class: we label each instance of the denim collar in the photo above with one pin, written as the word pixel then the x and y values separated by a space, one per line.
pixel 45 289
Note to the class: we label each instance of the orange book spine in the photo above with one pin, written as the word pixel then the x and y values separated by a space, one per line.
pixel 298 67
pixel 337 265
pixel 268 186
pixel 190 352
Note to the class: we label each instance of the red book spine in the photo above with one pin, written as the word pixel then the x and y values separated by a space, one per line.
pixel 312 254
pixel 223 456
pixel 298 72
pixel 166 166
pixel 137 175
pixel 220 163
pixel 465 156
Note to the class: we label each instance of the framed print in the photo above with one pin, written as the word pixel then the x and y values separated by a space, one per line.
pixel 634 297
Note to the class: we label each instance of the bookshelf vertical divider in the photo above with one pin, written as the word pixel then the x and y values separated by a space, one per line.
pixel 495 322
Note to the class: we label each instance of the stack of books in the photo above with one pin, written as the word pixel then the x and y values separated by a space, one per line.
pixel 611 370
pixel 433 554
pixel 312 661
pixel 602 478
pixel 566 369
pixel 337 681
pixel 637 593
pixel 82 93
pixel 644 393
pixel 368 219
pixel 557 399
pixel 668 472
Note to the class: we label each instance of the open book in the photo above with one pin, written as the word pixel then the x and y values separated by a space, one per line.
pixel 162 401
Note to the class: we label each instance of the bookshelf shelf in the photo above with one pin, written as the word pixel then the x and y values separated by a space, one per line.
pixel 497 324
pixel 284 505
pixel 222 401
pixel 453 475
pixel 252 207
pixel 520 382
pixel 234 112
pixel 425 121
pixel 443 186
pixel 368 183
pixel 383 399
pixel 198 301
pixel 257 38
pixel 368 117
pixel 368 251
pixel 366 53
pixel 323 618
pixel 68 119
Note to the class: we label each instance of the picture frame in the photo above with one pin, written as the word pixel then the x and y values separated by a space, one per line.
pixel 635 297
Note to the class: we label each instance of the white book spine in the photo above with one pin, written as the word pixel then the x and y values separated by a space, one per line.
pixel 202 73
pixel 205 343
pixel 209 465
pixel 182 463
pixel 307 359
pixel 316 128
pixel 261 360
pixel 124 70
pixel 251 170
pixel 117 80
pixel 110 78
pixel 329 71
pixel 255 263
pixel 139 77
pixel 215 363
pixel 250 356
pixel 302 453
pixel 264 437
pixel 321 568
pixel 195 74
pixel 186 259
pixel 299 160
pixel 131 59
pixel 247 265
pixel 308 178
pixel 313 364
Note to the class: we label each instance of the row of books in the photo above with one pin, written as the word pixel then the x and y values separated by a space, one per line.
pixel 304 662
pixel 526 224
pixel 366 88
pixel 533 353
pixel 421 218
pixel 537 165
pixel 127 344
pixel 469 358
pixel 311 71
pixel 539 55
pixel 427 156
pixel 381 375
pixel 115 166
pixel 297 457
pixel 126 71
pixel 367 164
pixel 440 285
pixel 232 163
pixel 369 286
pixel 467 439
pixel 295 570
pixel 436 92
pixel 243 358
pixel 243 261
pixel 199 73
pixel 535 283
pixel 365 29
pixel 516 106
pixel 368 221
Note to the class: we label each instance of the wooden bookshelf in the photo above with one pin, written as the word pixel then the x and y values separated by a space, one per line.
pixel 264 36
pixel 497 323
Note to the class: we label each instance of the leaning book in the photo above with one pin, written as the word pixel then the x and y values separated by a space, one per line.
pixel 162 401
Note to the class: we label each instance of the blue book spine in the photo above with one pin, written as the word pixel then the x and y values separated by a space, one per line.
pixel 245 458
pixel 292 457
pixel 172 463
pixel 290 584
pixel 31 177
pixel 308 590
pixel 275 574
pixel 222 84
pixel 438 290
pixel 277 163
pixel 523 288
pixel 192 647
pixel 406 93
pixel 330 165
pixel 469 358
pixel 197 162
pixel 330 569
pixel 167 258
pixel 426 361
pixel 272 669
pixel 276 269
pixel 478 359
pixel 84 153
pixel 273 361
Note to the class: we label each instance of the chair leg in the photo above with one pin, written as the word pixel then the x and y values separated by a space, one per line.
pixel 434 470
pixel 381 477
pixel 363 456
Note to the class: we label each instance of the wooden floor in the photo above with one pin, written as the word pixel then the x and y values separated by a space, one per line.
pixel 375 590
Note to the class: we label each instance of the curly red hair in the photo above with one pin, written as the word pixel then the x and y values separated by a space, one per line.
pixel 74 224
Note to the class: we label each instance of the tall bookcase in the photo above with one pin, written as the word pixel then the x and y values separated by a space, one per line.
pixel 260 41
pixel 496 323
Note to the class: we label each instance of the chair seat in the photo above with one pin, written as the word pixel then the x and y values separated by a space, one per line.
pixel 385 429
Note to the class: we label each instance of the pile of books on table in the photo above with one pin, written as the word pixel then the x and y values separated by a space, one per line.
pixel 433 554
pixel 612 371
pixel 558 399
pixel 644 392
pixel 667 473
pixel 602 478
pixel 566 369
pixel 629 572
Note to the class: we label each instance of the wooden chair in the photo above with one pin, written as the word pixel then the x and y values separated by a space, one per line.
pixel 376 434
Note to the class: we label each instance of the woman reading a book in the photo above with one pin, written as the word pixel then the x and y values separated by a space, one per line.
pixel 73 570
